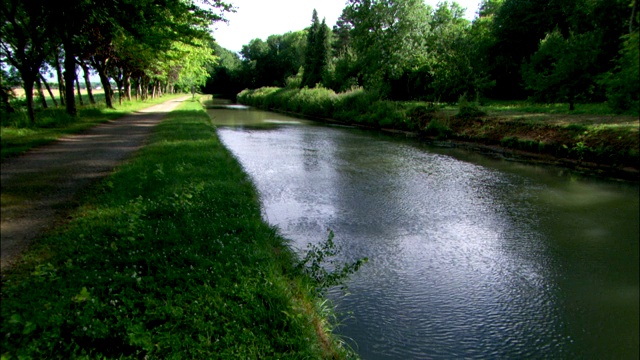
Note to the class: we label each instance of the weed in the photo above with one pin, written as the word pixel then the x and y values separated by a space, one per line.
pixel 468 110
pixel 320 257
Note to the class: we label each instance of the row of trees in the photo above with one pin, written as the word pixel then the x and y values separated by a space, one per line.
pixel 549 50
pixel 146 44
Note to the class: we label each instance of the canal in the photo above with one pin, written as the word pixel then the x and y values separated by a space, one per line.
pixel 469 256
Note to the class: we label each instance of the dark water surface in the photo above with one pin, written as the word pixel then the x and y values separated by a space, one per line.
pixel 470 257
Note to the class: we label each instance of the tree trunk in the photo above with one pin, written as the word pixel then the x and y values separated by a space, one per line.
pixel 145 88
pixel 127 86
pixel 69 79
pixel 87 82
pixel 104 80
pixel 79 93
pixel 60 81
pixel 28 92
pixel 138 88
pixel 43 100
pixel 571 100
pixel 46 85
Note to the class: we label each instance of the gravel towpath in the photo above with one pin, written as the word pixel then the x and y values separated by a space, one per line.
pixel 39 187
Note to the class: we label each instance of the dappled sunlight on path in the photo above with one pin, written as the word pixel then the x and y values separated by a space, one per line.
pixel 39 187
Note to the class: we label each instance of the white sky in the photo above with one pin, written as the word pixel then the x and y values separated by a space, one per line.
pixel 261 18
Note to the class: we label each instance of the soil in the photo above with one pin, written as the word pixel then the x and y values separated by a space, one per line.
pixel 39 188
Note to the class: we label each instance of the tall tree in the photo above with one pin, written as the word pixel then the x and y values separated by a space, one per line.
pixel 449 63
pixel 389 38
pixel 562 69
pixel 316 52
pixel 518 27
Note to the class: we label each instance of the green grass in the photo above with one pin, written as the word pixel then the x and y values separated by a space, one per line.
pixel 507 107
pixel 167 258
pixel 17 135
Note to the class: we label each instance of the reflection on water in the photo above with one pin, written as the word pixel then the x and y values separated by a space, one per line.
pixel 470 257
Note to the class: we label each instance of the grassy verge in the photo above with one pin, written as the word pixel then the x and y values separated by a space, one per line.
pixel 167 258
pixel 590 137
pixel 17 135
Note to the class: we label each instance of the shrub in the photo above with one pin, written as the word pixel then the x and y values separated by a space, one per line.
pixel 468 110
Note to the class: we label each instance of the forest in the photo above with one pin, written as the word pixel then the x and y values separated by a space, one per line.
pixel 550 51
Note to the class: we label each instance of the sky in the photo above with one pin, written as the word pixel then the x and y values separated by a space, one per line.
pixel 261 18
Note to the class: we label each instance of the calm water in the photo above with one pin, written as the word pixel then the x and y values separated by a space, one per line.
pixel 470 257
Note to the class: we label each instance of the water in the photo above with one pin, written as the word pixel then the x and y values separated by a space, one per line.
pixel 470 257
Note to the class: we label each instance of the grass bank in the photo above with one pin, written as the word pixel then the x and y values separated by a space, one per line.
pixel 18 135
pixel 590 138
pixel 167 258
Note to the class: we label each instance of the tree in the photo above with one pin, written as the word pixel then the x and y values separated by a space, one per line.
pixel 270 63
pixel 91 29
pixel 623 89
pixel 389 39
pixel 225 76
pixel 562 69
pixel 316 52
pixel 518 27
pixel 24 41
pixel 449 65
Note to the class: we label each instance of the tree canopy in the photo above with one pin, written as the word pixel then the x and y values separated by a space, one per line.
pixel 545 50
pixel 159 42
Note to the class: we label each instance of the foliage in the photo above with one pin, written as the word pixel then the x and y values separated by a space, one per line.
pixel 316 53
pixel 320 266
pixel 158 44
pixel 389 38
pixel 270 63
pixel 623 94
pixel 8 80
pixel 562 69
pixel 546 50
pixel 167 258
pixel 468 110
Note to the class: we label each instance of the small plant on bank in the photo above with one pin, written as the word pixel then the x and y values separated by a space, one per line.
pixel 320 257
pixel 419 116
pixel 468 110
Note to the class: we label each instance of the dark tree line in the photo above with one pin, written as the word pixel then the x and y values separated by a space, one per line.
pixel 152 45
pixel 546 50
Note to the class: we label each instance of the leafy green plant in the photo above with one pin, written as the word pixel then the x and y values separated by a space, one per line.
pixel 438 128
pixel 468 110
pixel 321 267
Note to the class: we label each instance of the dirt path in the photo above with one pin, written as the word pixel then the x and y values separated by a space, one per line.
pixel 38 188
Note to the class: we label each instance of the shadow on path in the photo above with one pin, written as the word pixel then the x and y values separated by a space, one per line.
pixel 38 188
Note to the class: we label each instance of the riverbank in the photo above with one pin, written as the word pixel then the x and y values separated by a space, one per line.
pixel 599 143
pixel 166 258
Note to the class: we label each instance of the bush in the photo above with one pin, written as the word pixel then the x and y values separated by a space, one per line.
pixel 468 110
pixel 419 116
